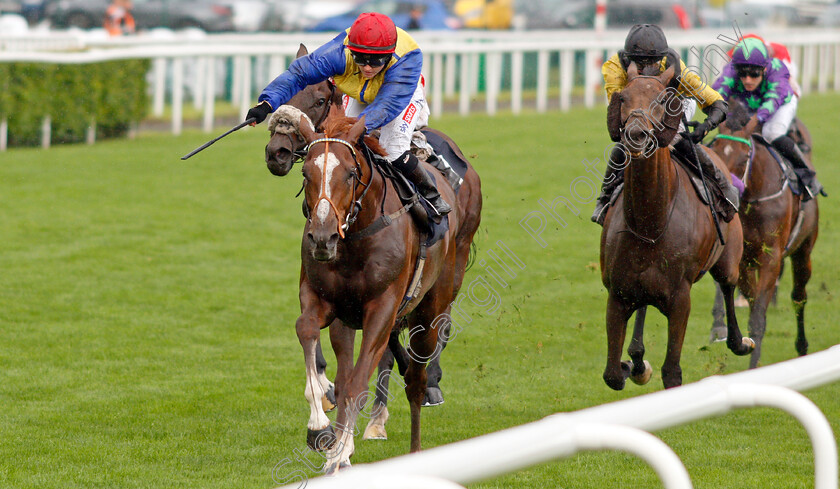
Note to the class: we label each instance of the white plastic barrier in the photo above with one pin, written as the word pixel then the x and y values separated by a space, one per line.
pixel 456 64
pixel 564 434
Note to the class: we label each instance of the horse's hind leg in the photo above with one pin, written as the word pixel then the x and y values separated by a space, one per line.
pixel 639 369
pixel 434 396
pixel 801 261
pixel 718 331
pixel 727 272
pixel 321 366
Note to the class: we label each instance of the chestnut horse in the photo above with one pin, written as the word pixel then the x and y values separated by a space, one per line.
pixel 285 147
pixel 776 224
pixel 359 260
pixel 659 238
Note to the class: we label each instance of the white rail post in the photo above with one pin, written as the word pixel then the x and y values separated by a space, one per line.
pixel 464 98
pixel 209 95
pixel 492 81
pixel 516 82
pixel 46 131
pixel 451 71
pixel 437 83
pixel 567 64
pixel 159 94
pixel 542 81
pixel 837 67
pixel 177 95
pixel 245 97
pixel 591 78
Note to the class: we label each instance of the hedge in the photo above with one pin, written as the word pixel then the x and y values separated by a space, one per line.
pixel 111 93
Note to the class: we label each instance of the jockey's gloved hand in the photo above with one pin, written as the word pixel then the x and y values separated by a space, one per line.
pixel 700 130
pixel 259 112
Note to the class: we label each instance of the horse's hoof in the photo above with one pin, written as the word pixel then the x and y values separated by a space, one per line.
pixel 375 432
pixel 742 301
pixel 320 440
pixel 643 377
pixel 433 397
pixel 717 335
pixel 616 383
pixel 747 344
pixel 334 468
pixel 328 400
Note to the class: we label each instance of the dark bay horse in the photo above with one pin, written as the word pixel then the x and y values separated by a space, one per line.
pixel 776 224
pixel 361 278
pixel 658 238
pixel 285 147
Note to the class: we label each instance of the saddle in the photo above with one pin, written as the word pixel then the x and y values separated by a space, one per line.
pixel 788 170
pixel 419 209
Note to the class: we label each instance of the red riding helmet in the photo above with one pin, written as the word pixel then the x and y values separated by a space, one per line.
pixel 373 33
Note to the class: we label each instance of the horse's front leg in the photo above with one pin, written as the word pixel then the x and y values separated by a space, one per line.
pixel 375 429
pixel 315 314
pixel 727 272
pixel 679 309
pixel 617 315
pixel 353 395
pixel 718 331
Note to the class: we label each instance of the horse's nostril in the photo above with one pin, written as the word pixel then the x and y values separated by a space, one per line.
pixel 310 237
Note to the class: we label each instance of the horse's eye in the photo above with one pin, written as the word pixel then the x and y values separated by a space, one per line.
pixel 321 101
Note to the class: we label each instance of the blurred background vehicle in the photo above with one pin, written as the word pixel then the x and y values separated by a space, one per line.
pixel 297 15
pixel 483 14
pixel 208 15
pixel 434 15
pixel 580 14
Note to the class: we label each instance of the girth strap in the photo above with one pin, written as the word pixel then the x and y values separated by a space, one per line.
pixel 379 224
pixel 414 289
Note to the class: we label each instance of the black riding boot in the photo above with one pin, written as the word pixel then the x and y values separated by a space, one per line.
pixel 730 193
pixel 788 148
pixel 409 165
pixel 613 177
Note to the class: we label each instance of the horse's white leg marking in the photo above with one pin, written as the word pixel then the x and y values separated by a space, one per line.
pixel 313 393
pixel 323 208
pixel 344 447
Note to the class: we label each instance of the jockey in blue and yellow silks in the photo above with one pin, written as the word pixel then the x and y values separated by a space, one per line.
pixel 378 66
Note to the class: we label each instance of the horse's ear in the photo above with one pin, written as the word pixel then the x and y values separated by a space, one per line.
pixel 302 51
pixel 632 70
pixel 357 131
pixel 306 130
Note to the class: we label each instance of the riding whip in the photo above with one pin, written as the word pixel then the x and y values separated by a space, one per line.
pixel 208 143
pixel 703 179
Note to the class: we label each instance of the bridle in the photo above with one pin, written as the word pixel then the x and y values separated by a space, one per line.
pixel 356 176
pixel 643 114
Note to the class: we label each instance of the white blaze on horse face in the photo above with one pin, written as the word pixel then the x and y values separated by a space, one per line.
pixel 323 208
pixel 727 150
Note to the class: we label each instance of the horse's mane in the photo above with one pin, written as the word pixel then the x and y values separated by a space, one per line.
pixel 738 115
pixel 338 124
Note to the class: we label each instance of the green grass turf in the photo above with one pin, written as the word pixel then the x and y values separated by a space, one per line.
pixel 147 310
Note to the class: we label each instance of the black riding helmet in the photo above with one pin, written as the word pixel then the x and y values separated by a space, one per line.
pixel 645 41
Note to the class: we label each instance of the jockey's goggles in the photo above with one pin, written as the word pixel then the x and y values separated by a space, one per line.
pixel 370 59
pixel 749 71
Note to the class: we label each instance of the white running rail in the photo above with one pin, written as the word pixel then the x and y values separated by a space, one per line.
pixel 564 434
